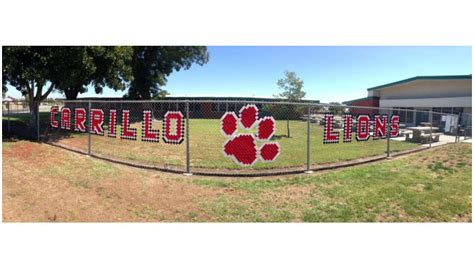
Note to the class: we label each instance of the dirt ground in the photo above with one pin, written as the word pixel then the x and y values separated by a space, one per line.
pixel 74 187
pixel 43 183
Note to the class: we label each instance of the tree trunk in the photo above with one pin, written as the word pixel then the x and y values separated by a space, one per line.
pixel 288 127
pixel 34 114
pixel 34 103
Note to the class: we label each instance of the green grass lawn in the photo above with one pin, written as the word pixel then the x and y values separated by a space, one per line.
pixel 430 186
pixel 205 135
pixel 206 143
pixel 45 183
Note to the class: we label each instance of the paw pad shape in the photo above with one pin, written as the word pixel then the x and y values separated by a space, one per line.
pixel 242 148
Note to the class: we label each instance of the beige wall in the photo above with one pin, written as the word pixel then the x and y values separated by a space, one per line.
pixel 428 102
pixel 427 89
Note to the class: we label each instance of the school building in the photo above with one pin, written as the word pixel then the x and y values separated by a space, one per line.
pixel 204 107
pixel 446 94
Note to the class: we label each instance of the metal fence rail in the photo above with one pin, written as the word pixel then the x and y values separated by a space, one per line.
pixel 236 137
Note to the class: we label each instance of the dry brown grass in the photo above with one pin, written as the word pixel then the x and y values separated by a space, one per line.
pixel 43 183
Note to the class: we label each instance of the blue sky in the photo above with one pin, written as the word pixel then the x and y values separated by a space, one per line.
pixel 334 73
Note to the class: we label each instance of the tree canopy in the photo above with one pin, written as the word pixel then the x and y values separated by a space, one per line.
pixel 71 69
pixel 336 108
pixel 292 87
pixel 36 71
pixel 27 68
pixel 4 84
pixel 78 67
pixel 151 65
pixel 67 69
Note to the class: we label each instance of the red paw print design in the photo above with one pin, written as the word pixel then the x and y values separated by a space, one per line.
pixel 242 148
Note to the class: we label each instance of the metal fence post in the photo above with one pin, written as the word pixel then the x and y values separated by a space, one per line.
pixel 38 122
pixel 431 127
pixel 389 135
pixel 454 128
pixel 188 168
pixel 288 120
pixel 467 126
pixel 89 131
pixel 8 106
pixel 308 143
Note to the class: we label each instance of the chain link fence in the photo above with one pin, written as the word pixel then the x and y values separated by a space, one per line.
pixel 237 137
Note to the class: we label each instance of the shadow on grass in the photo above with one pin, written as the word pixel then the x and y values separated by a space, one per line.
pixel 20 130
pixel 279 137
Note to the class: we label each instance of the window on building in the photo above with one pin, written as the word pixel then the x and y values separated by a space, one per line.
pixel 457 110
pixel 403 116
pixel 410 115
pixel 394 111
pixel 447 110
pixel 422 115
pixel 436 116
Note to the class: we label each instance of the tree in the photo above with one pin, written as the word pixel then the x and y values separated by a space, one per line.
pixel 336 108
pixel 68 69
pixel 28 69
pixel 151 65
pixel 77 67
pixel 4 83
pixel 292 87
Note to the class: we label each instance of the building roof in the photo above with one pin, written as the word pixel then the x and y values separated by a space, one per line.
pixel 231 98
pixel 361 99
pixel 421 78
pixel 219 98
